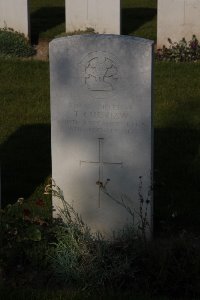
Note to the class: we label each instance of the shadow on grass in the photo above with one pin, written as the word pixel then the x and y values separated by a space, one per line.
pixel 134 18
pixel 45 19
pixel 177 174
pixel 25 161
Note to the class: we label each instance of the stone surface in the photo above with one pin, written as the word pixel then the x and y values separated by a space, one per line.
pixel 177 19
pixel 103 16
pixel 101 89
pixel 15 14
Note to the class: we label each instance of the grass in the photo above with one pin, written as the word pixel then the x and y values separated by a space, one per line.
pixel 68 295
pixel 139 18
pixel 25 127
pixel 177 135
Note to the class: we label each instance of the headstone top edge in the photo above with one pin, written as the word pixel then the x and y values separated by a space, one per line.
pixel 101 37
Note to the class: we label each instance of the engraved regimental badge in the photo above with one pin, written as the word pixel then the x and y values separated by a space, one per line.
pixel 99 71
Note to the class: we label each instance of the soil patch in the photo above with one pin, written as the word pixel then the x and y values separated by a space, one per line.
pixel 42 50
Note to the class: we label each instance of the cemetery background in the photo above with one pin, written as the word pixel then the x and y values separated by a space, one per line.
pixel 25 122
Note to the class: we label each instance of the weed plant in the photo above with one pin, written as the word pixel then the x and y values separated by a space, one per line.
pixel 23 238
pixel 66 255
pixel 181 51
pixel 77 32
pixel 14 44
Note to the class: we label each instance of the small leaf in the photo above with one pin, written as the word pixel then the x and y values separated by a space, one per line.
pixel 34 234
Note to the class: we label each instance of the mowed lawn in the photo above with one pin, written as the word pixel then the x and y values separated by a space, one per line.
pixel 25 127
pixel 177 144
pixel 25 147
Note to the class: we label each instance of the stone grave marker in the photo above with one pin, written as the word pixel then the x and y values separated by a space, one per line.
pixel 101 127
pixel 177 19
pixel 15 14
pixel 103 16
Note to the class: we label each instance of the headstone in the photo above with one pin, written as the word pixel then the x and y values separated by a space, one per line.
pixel 15 14
pixel 177 19
pixel 101 15
pixel 101 89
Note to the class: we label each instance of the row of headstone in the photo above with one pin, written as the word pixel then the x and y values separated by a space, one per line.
pixel 15 14
pixel 176 18
pixel 103 16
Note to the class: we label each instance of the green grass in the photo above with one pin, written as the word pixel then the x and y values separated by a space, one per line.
pixel 25 127
pixel 139 18
pixel 177 136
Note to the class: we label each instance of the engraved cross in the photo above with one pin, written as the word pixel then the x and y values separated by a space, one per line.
pixel 100 163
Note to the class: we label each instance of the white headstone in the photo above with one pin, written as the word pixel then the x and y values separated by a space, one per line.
pixel 101 15
pixel 101 89
pixel 177 19
pixel 15 14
